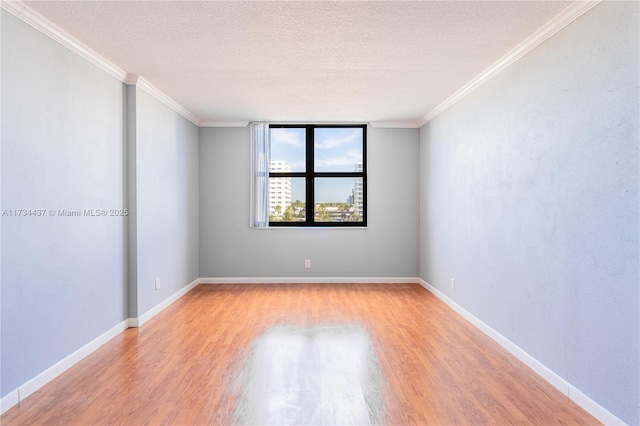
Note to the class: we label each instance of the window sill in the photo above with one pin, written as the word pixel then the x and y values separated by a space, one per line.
pixel 310 227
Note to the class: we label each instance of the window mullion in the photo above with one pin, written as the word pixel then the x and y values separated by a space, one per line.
pixel 334 213
pixel 310 178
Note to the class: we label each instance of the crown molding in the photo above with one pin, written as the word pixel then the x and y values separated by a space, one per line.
pixel 156 93
pixel 42 24
pixel 224 124
pixel 131 79
pixel 394 124
pixel 564 18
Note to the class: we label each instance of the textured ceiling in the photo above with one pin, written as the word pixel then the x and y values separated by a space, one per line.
pixel 303 60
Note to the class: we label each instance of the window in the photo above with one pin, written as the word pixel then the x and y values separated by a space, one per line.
pixel 318 175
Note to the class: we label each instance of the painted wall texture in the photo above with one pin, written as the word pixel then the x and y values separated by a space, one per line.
pixel 529 199
pixel 526 193
pixel 167 203
pixel 230 248
pixel 62 276
pixel 76 139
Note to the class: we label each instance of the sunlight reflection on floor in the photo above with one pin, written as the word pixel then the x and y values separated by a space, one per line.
pixel 318 375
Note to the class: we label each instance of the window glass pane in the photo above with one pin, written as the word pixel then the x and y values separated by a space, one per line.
pixel 337 149
pixel 338 200
pixel 288 149
pixel 286 200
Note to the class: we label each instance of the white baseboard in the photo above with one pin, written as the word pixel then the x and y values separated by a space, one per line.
pixel 310 280
pixel 137 322
pixel 13 398
pixel 16 396
pixel 592 407
pixel 60 367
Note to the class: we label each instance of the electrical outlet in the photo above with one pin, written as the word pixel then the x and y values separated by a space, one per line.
pixel 453 284
pixel 157 283
pixel 307 263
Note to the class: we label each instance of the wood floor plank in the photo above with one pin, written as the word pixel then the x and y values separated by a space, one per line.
pixel 185 365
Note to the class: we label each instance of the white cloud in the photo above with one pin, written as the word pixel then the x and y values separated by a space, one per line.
pixel 351 158
pixel 287 137
pixel 336 140
pixel 297 165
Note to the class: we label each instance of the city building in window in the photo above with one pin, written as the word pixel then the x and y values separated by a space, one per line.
pixel 279 189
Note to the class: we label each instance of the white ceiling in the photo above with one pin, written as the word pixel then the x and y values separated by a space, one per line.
pixel 390 61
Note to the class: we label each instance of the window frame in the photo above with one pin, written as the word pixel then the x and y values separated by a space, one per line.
pixel 310 175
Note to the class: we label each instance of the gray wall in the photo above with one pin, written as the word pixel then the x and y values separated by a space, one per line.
pixel 529 199
pixel 526 192
pixel 230 248
pixel 62 277
pixel 166 210
pixel 75 138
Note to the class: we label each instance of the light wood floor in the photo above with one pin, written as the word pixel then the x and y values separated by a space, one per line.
pixel 185 365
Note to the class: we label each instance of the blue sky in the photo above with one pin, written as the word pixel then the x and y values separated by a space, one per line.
pixel 336 150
